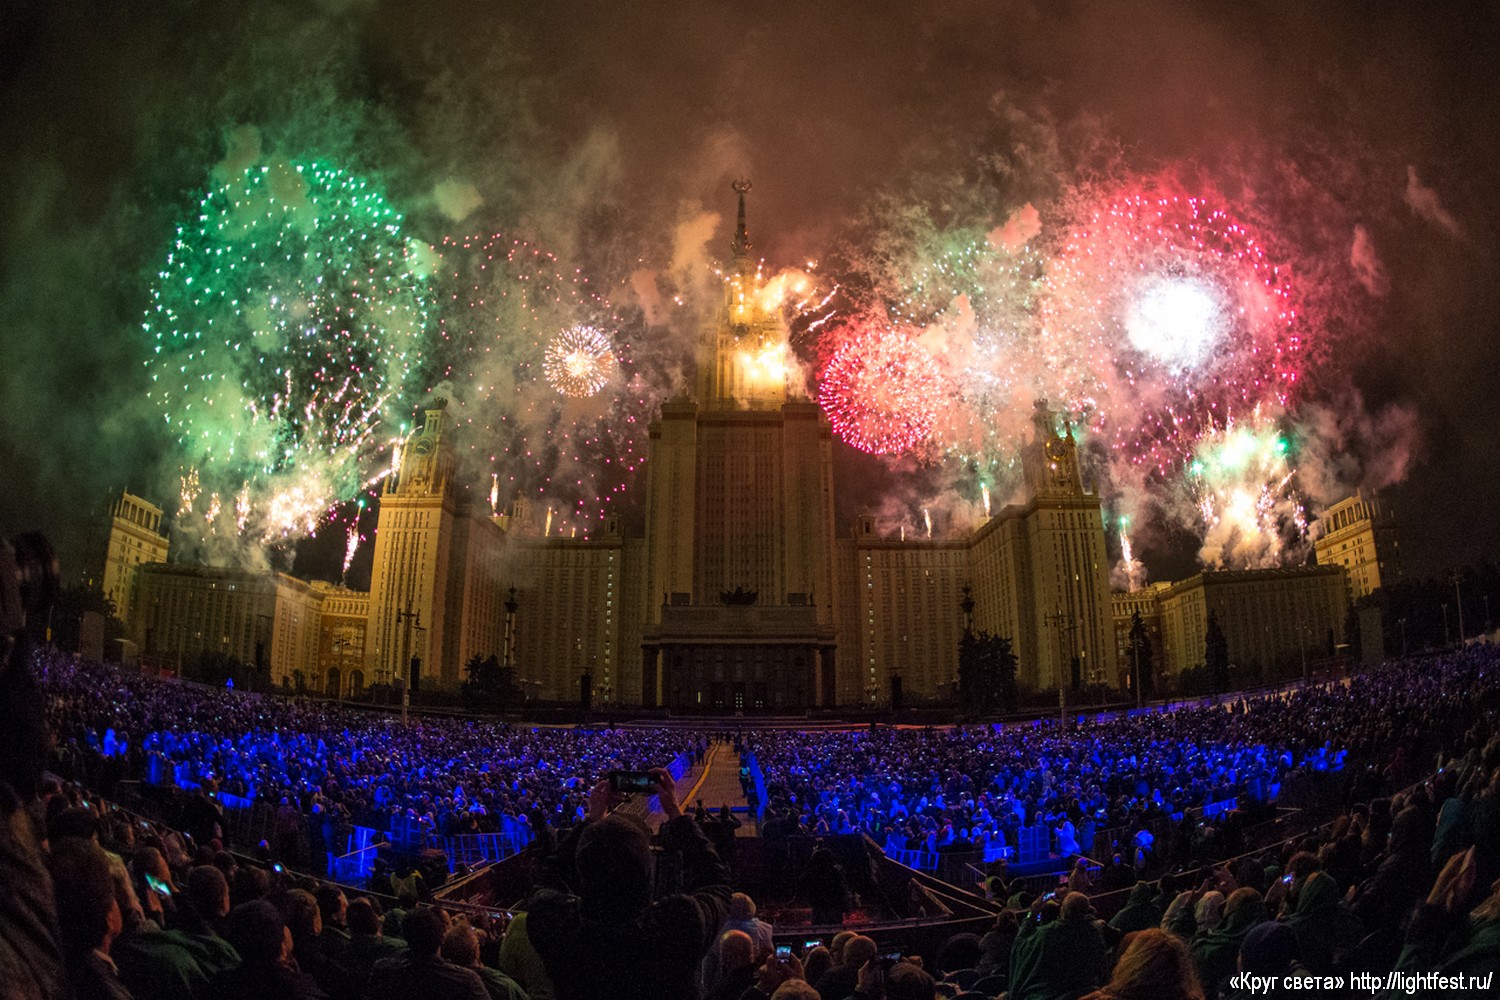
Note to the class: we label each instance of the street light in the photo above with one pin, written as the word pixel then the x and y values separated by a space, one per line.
pixel 1459 601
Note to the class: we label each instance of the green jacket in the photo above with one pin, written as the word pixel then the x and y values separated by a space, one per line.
pixel 1216 953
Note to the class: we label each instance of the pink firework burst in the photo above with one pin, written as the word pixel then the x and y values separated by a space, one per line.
pixel 1165 317
pixel 882 392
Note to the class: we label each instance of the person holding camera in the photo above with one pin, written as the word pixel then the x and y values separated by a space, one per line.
pixel 594 922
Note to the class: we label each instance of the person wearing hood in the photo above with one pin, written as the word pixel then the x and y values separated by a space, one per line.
pixel 1386 898
pixel 1141 910
pixel 593 922
pixel 1269 951
pixel 1216 952
pixel 1311 910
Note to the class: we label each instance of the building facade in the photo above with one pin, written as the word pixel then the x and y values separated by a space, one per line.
pixel 739 576
pixel 268 621
pixel 739 594
pixel 1274 620
pixel 1359 534
pixel 135 540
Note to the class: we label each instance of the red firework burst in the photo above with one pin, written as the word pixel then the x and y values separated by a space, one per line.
pixel 882 392
pixel 1164 316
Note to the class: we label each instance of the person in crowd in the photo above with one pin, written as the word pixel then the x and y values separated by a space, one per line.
pixel 267 969
pixel 1208 913
pixel 995 947
pixel 88 917
pixel 333 908
pixel 775 972
pixel 826 888
pixel 367 943
pixel 795 989
pixel 1141 910
pixel 817 961
pixel 420 971
pixel 1309 905
pixel 1449 938
pixel 520 961
pixel 1215 953
pixel 204 916
pixel 594 923
pixel 841 980
pixel 736 969
pixel 742 917
pixel 1269 951
pixel 961 951
pixel 304 920
pixel 1154 966
pixel 1064 958
pixel 461 947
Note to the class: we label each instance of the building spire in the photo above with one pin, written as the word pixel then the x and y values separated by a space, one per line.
pixel 741 236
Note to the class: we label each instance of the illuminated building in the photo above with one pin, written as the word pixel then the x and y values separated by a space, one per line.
pixel 437 585
pixel 1272 619
pixel 343 616
pixel 1145 602
pixel 739 549
pixel 263 620
pixel 135 539
pixel 1360 535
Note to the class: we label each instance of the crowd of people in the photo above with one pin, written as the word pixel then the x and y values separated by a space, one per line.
pixel 326 768
pixel 975 788
pixel 100 903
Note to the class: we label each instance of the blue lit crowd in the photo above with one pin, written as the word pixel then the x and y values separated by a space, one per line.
pixel 1403 882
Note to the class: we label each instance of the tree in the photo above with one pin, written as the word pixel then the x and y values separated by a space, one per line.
pixel 66 616
pixel 212 666
pixel 1143 668
pixel 1216 655
pixel 986 672
pixel 489 686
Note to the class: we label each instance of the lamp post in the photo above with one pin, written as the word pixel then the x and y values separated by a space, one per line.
pixel 1063 622
pixel 411 619
pixel 1458 600
pixel 1447 638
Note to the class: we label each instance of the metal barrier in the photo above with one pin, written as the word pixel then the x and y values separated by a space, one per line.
pixel 472 849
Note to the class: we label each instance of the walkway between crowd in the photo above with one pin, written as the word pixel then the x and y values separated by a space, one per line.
pixel 715 782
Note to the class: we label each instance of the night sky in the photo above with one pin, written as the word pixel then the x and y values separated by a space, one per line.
pixel 1361 137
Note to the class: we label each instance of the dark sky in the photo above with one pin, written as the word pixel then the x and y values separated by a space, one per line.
pixel 603 129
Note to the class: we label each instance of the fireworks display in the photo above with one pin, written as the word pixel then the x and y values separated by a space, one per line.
pixel 1164 318
pixel 1241 481
pixel 283 326
pixel 881 391
pixel 517 386
pixel 579 361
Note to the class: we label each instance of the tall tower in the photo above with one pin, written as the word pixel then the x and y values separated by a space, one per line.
pixel 742 351
pixel 415 567
pixel 739 515
pixel 1064 527
pixel 135 539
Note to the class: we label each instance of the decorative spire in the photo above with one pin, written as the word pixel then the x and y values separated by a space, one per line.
pixel 741 237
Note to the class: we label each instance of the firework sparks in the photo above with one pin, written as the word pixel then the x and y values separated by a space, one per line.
pixel 882 392
pixel 283 325
pixel 1165 318
pixel 510 299
pixel 1242 482
pixel 579 361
